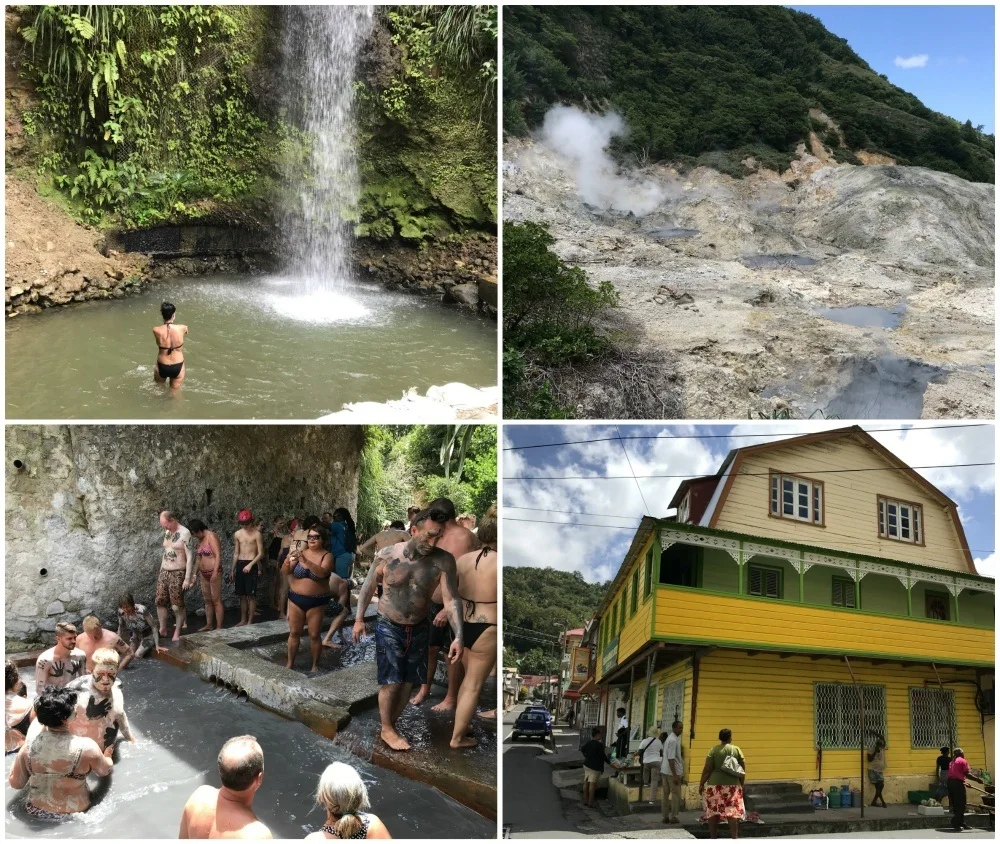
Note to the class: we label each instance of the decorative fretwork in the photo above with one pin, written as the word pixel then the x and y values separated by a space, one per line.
pixel 837 720
pixel 981 586
pixel 932 718
pixel 946 580
pixel 673 537
pixel 754 549
pixel 810 559
pixel 869 567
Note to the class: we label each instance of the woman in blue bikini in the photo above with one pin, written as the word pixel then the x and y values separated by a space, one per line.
pixel 308 592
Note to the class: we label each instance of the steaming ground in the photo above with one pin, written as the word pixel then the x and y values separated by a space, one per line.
pixel 895 244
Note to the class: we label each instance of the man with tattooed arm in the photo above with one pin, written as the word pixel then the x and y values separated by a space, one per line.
pixel 409 573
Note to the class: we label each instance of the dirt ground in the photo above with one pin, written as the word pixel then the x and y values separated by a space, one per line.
pixel 913 248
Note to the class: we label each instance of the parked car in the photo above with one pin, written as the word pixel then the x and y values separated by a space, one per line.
pixel 543 711
pixel 532 725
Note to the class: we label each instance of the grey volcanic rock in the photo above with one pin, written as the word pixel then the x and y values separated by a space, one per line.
pixel 755 341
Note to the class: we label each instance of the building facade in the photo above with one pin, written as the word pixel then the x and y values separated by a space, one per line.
pixel 805 576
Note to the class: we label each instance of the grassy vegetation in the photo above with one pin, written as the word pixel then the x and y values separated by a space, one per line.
pixel 713 84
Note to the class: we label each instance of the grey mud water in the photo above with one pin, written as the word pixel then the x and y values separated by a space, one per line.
pixel 181 722
pixel 824 290
pixel 259 348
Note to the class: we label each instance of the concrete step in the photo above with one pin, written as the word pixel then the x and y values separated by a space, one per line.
pixel 769 788
pixel 823 824
pixel 778 807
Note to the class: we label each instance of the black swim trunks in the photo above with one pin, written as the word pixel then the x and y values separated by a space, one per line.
pixel 246 584
pixel 440 636
pixel 401 652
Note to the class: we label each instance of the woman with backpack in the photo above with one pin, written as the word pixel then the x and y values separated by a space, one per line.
pixel 722 785
pixel 651 754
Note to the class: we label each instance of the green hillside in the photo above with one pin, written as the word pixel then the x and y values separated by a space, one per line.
pixel 538 604
pixel 714 84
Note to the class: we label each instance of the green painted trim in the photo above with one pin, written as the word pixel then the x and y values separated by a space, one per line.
pixel 760 646
pixel 635 592
pixel 739 570
pixel 857 592
pixel 843 581
pixel 954 600
pixel 909 596
pixel 798 546
pixel 802 585
pixel 764 567
pixel 820 606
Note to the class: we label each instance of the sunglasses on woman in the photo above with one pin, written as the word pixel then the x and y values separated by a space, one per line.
pixel 312 536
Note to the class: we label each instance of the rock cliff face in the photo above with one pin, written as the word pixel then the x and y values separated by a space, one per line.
pixel 83 504
pixel 845 290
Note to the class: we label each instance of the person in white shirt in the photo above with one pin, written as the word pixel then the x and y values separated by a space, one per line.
pixel 651 753
pixel 673 772
pixel 621 737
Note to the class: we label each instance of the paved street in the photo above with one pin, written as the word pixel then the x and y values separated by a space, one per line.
pixel 532 807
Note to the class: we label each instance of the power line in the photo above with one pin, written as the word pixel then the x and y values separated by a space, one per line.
pixel 740 474
pixel 741 524
pixel 629 461
pixel 569 512
pixel 730 436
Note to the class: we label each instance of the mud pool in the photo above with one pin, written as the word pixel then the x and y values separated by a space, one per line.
pixel 258 348
pixel 180 723
pixel 866 316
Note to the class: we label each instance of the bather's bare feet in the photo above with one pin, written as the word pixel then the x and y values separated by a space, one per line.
pixel 446 705
pixel 163 633
pixel 394 739
pixel 488 715
pixel 328 643
pixel 420 696
pixel 206 628
pixel 465 741
pixel 177 636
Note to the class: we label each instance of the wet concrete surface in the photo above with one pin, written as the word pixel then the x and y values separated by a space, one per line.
pixel 180 723
pixel 866 316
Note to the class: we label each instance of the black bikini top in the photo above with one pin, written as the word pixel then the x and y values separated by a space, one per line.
pixel 170 350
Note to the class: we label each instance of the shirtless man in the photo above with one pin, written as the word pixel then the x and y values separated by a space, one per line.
pixel 248 552
pixel 396 532
pixel 410 572
pixel 135 621
pixel 61 664
pixel 477 587
pixel 227 812
pixel 457 541
pixel 94 636
pixel 176 574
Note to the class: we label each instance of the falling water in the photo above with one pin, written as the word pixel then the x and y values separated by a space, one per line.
pixel 321 56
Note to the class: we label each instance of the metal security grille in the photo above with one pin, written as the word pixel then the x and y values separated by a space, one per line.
pixel 932 718
pixel 673 703
pixel 838 722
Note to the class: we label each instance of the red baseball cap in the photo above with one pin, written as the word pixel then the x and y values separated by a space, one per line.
pixel 244 516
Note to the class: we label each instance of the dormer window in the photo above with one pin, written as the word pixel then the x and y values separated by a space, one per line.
pixel 901 521
pixel 797 498
pixel 684 510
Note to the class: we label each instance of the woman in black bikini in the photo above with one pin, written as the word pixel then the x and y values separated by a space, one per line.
pixel 308 592
pixel 169 340
pixel 477 587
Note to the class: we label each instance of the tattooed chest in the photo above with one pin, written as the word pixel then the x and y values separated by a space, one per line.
pixel 408 585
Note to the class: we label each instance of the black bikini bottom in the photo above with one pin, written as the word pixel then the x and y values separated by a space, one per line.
pixel 169 370
pixel 472 630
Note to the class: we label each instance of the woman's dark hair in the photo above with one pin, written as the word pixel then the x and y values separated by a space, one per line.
pixel 196 526
pixel 55 706
pixel 126 600
pixel 11 676
pixel 310 521
pixel 725 735
pixel 341 514
pixel 443 507
pixel 324 534
pixel 397 525
pixel 167 310
pixel 488 527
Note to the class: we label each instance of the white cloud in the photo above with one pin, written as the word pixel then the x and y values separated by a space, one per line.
pixel 908 62
pixel 987 566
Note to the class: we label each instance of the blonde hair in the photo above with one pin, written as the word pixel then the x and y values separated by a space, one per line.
pixel 342 793
pixel 91 623
pixel 106 656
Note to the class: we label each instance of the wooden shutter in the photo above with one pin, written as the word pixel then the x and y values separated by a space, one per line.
pixel 772 583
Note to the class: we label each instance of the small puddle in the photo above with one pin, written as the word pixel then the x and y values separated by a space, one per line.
pixel 883 388
pixel 673 234
pixel 330 659
pixel 760 262
pixel 866 316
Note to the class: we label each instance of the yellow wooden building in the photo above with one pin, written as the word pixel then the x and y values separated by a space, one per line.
pixel 787 584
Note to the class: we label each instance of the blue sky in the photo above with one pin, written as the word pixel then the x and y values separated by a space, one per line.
pixel 956 77
pixel 596 542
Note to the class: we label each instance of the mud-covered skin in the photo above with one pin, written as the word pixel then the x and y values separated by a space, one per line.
pixel 176 549
pixel 54 765
pixel 52 669
pixel 100 712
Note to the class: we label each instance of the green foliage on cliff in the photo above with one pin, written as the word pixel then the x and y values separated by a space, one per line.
pixel 725 80
pixel 549 318
pixel 145 111
pixel 428 148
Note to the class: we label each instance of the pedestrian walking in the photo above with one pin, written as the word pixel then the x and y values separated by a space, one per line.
pixel 722 785
pixel 651 754
pixel 595 755
pixel 958 772
pixel 672 771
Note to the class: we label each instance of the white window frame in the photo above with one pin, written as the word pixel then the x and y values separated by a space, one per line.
pixel 900 521
pixel 684 510
pixel 807 499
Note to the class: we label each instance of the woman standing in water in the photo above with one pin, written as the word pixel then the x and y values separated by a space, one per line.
pixel 169 340
pixel 308 591
pixel 344 796
pixel 209 562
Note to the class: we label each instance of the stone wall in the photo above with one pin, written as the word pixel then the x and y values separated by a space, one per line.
pixel 83 503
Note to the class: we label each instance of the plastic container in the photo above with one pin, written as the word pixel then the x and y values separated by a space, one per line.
pixel 845 798
pixel 834 794
pixel 856 798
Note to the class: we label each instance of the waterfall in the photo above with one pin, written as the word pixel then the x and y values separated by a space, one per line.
pixel 320 62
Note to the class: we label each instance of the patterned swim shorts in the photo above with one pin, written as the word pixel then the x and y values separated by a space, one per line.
pixel 169 591
pixel 401 651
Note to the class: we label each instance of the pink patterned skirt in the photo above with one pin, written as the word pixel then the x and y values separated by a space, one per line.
pixel 723 801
